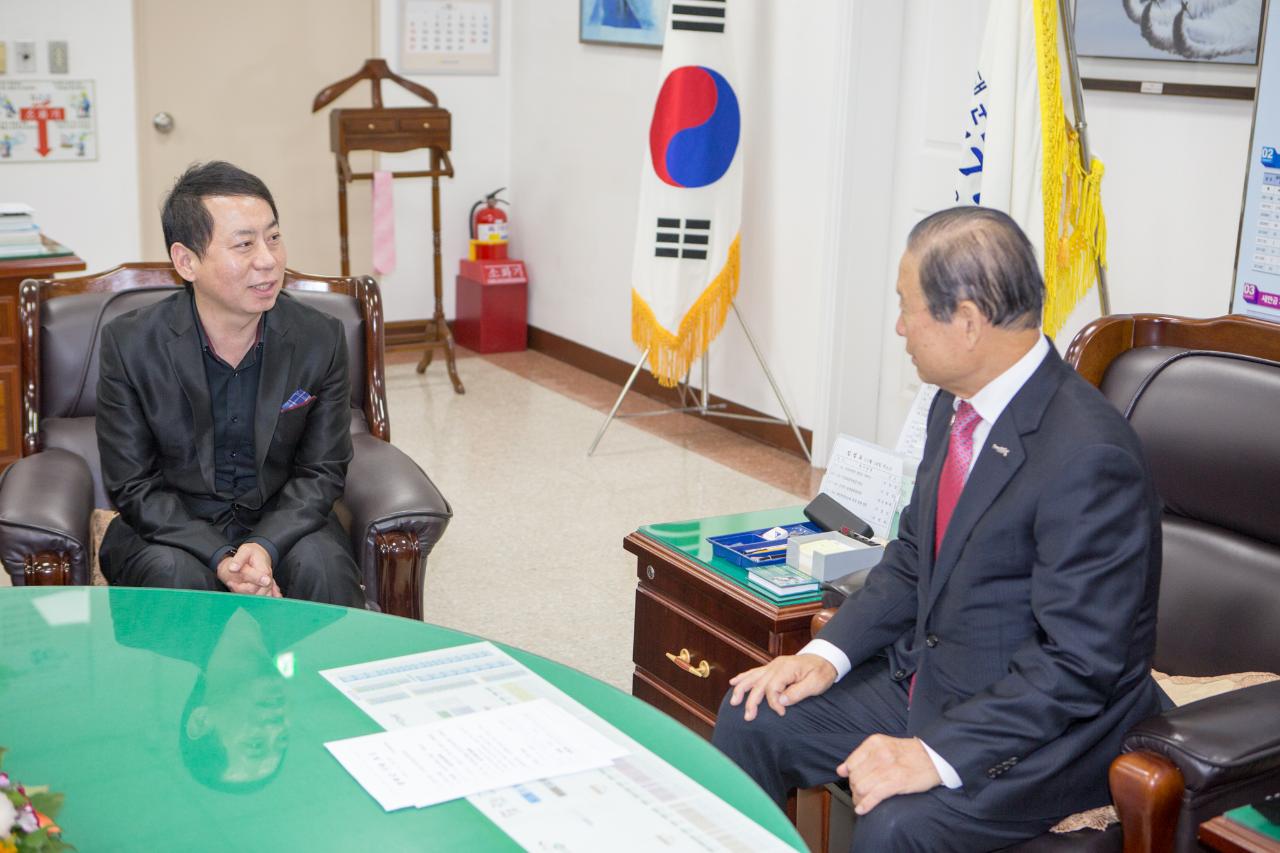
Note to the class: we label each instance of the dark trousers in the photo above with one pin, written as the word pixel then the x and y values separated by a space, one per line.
pixel 318 568
pixel 803 748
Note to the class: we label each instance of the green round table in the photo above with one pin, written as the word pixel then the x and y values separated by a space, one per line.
pixel 106 695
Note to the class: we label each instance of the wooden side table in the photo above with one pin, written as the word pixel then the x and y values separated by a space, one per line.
pixel 1232 836
pixel 697 623
pixel 12 274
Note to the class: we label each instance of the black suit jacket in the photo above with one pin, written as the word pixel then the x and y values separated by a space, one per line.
pixel 155 427
pixel 1032 633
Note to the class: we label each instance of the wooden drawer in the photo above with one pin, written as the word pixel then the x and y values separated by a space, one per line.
pixel 666 627
pixel 357 126
pixel 421 123
pixel 649 688
pixel 770 629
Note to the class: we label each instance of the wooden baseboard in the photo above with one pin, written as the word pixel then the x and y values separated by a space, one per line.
pixel 616 371
pixel 408 334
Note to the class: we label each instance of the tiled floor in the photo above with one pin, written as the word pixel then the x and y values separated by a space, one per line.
pixel 534 554
pixel 786 471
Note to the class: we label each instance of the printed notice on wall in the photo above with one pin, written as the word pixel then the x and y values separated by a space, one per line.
pixel 1257 283
pixel 449 36
pixel 47 120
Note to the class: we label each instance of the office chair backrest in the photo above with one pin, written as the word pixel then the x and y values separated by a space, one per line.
pixel 61 324
pixel 1204 407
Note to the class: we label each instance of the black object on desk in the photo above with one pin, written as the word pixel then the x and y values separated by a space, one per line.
pixel 826 512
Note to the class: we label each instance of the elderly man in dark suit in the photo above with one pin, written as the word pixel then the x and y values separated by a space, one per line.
pixel 224 415
pixel 974 691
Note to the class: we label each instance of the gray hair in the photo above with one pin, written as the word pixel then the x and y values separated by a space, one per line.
pixel 979 254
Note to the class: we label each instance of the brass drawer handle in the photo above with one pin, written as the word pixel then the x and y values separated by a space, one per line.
pixel 426 124
pixel 702 670
pixel 372 126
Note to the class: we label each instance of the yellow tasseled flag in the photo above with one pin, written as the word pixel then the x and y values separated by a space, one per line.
pixel 1022 156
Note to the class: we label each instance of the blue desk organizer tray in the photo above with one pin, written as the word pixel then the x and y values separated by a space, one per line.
pixel 746 549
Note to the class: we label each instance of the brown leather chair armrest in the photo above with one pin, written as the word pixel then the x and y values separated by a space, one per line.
pixel 46 501
pixel 1187 765
pixel 397 515
pixel 1219 741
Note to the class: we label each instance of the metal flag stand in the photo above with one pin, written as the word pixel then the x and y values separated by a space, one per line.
pixel 1081 126
pixel 702 404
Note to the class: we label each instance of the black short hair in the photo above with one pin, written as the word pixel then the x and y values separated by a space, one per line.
pixel 184 217
pixel 979 254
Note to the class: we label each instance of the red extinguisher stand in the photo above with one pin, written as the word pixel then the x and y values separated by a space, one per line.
pixel 491 302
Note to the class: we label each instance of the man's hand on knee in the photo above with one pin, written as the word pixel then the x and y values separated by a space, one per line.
pixel 884 766
pixel 248 571
pixel 781 682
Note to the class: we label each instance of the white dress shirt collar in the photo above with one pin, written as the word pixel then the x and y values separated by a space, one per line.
pixel 996 395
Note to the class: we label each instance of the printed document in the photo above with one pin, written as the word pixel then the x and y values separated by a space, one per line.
pixel 866 479
pixel 638 803
pixel 911 437
pixel 437 762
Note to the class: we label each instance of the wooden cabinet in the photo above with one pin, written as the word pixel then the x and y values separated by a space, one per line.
pixel 695 629
pixel 401 129
pixel 12 274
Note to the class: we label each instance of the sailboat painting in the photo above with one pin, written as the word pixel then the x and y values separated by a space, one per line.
pixel 632 22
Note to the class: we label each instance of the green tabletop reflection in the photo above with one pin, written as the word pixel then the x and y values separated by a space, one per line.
pixel 196 721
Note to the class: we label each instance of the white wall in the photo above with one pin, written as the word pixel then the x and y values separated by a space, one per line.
pixel 92 207
pixel 1172 190
pixel 480 108
pixel 579 124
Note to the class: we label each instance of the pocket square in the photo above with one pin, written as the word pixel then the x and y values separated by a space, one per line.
pixel 297 400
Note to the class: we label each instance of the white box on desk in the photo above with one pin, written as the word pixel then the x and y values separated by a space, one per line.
pixel 828 568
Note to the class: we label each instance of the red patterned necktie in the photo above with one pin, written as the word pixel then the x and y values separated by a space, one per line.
pixel 955 470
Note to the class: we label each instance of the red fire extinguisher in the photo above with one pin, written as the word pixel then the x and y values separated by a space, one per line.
pixel 489 228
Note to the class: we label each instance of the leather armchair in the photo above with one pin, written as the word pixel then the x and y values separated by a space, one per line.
pixel 392 510
pixel 1202 396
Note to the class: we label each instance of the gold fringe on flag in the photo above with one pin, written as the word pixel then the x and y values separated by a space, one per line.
pixel 1075 229
pixel 671 356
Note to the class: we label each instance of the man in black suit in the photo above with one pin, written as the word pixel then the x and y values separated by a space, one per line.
pixel 224 413
pixel 974 691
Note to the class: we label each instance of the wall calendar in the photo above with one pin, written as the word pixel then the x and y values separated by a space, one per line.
pixel 449 36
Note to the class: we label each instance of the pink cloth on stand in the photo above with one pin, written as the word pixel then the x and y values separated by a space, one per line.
pixel 384 224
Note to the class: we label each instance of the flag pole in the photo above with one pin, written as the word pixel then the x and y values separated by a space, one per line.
pixel 1081 127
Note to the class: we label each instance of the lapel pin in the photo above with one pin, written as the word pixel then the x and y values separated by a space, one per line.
pixel 1002 450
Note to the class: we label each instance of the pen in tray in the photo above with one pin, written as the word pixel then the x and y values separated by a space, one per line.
pixel 765 550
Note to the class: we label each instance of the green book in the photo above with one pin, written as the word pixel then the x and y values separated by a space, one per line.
pixel 781 579
pixel 1255 820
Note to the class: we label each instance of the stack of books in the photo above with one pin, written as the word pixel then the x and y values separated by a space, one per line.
pixel 781 580
pixel 19 234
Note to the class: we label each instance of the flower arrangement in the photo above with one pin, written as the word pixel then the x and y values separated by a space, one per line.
pixel 26 818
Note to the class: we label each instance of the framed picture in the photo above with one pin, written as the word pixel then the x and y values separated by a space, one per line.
pixel 640 23
pixel 1223 31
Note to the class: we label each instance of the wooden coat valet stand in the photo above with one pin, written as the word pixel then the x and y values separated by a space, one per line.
pixel 394 129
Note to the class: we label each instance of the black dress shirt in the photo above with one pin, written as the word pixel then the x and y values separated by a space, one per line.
pixel 233 395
